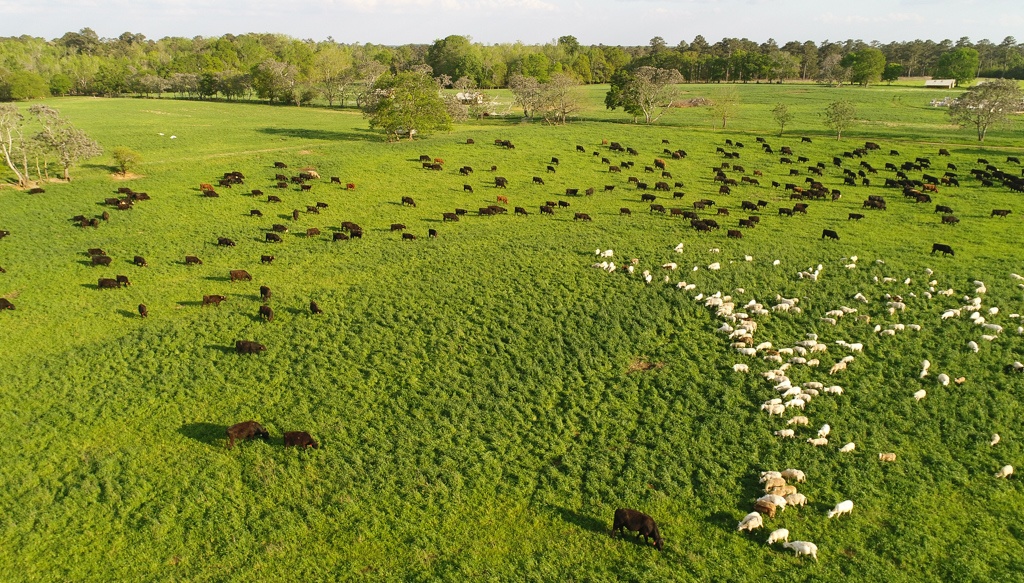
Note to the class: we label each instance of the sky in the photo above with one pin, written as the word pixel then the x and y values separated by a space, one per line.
pixel 609 22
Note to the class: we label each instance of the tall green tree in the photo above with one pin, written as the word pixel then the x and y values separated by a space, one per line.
pixel 839 116
pixel 960 64
pixel 866 65
pixel 782 116
pixel 987 105
pixel 456 57
pixel 70 144
pixel 892 72
pixel 725 104
pixel 647 91
pixel 406 104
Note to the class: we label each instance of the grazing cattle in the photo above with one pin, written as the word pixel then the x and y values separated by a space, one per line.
pixel 397 227
pixel 210 193
pixel 943 209
pixel 310 209
pixel 748 206
pixel 247 429
pixel 945 249
pixel 723 211
pixel 614 169
pixel 563 204
pixel 855 217
pixel 312 232
pixel 449 217
pixel 657 208
pixel 408 237
pixel 538 180
pixel 106 283
pixel 785 211
pixel 648 198
pixel 502 199
pixel 350 186
pixel 590 191
pixel 279 228
pixel 943 152
pixel 295 217
pixel 239 275
pixel 500 182
pixel 213 300
pixel 734 234
pixel 800 207
pixel 521 211
pixel 280 165
pixel 273 238
pixel 678 195
pixel 299 439
pixel 122 281
pixel 95 251
pixel 547 210
pixel 432 233
pixel 101 260
pixel 267 313
pixel 949 220
pixel 315 308
pixel 356 234
pixel 1000 213
pixel 829 234
pixel 266 259
pixel 724 189
pixel 265 293
pixel 255 213
pixel 140 261
pixel 581 217
pixel 746 223
pixel 5 304
pixel 638 522
pixel 1013 159
pixel 335 180
pixel 340 237
pixel 625 211
pixel 272 198
pixel 193 260
pixel 143 311
pixel 551 168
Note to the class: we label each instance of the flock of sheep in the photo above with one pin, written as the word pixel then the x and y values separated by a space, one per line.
pixel 739 326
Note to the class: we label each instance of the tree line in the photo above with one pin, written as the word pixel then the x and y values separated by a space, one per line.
pixel 282 69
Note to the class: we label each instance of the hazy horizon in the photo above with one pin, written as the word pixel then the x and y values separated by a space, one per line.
pixel 608 22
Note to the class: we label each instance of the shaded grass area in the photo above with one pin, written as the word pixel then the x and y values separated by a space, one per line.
pixel 485 400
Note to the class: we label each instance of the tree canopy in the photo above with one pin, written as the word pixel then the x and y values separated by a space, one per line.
pixel 406 104
pixel 647 91
pixel 839 115
pixel 866 65
pixel 960 64
pixel 987 105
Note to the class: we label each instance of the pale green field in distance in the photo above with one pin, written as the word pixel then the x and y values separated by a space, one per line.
pixel 476 395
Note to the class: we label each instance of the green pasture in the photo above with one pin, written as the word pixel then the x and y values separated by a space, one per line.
pixel 485 400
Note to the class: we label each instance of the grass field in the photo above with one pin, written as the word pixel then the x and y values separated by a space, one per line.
pixel 485 400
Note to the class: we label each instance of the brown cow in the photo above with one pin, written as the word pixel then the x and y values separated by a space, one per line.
pixel 503 199
pixel 101 260
pixel 213 300
pixel 299 439
pixel 239 275
pixel 143 311
pixel 639 522
pixel 122 281
pixel 5 304
pixel 312 232
pixel 397 227
pixel 266 258
pixel 315 308
pixel 193 260
pixel 106 283
pixel 140 261
pixel 267 313
pixel 247 429
pixel 265 293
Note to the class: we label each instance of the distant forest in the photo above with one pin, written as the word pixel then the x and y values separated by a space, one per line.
pixel 283 69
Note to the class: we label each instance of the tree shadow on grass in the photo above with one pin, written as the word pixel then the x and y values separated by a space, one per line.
pixel 206 433
pixel 314 134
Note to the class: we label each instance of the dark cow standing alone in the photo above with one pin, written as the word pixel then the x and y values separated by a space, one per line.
pixel 945 249
pixel 300 439
pixel 246 430
pixel 829 234
pixel 638 522
pixel 315 308
pixel 248 347
pixel 5 304
pixel 267 313
pixel 143 311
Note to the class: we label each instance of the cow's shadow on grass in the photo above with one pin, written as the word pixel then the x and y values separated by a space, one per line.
pixel 128 313
pixel 207 433
pixel 221 349
pixel 90 285
pixel 189 303
pixel 216 278
pixel 582 520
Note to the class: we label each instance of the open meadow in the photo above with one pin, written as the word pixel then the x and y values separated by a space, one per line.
pixel 484 400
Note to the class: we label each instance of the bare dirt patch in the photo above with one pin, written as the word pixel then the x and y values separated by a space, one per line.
pixel 128 176
pixel 641 363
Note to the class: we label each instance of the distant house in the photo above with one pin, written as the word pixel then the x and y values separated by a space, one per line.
pixel 469 98
pixel 940 83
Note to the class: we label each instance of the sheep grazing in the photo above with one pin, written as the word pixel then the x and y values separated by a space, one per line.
pixel 801 547
pixel 844 507
pixel 995 439
pixel 848 447
pixel 794 475
pixel 920 395
pixel 798 420
pixel 796 499
pixel 669 266
pixel 825 430
pixel 751 522
pixel 772 483
pixel 818 441
pixel 740 368
pixel 778 501
pixel 714 266
pixel 763 507
pixel 887 457
pixel 778 535
pixel 1005 472
pixel 925 365
pixel 834 389
pixel 785 433
pixel 679 248
pixel 783 491
pixel 765 476
pixel 943 379
pixel 837 367
pixel 972 346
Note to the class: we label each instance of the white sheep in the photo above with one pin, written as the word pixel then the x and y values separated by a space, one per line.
pixel 801 547
pixel 778 535
pixel 834 390
pixel 837 367
pixel 920 395
pixel 848 447
pixel 798 420
pixel 768 475
pixel 925 365
pixel 763 346
pixel 825 430
pixel 796 403
pixel 669 266
pixel 747 351
pixel 943 379
pixel 608 253
pixel 844 507
pixel 972 346
pixel 993 327
pixel 856 347
pixel 774 409
pixel 887 457
pixel 1005 472
pixel 794 475
pixel 740 367
pixel 796 499
pixel 778 501
pixel 785 433
pixel 714 266
pixel 848 358
pixel 813 362
pixel 819 348
pixel 679 248
pixel 814 385
pixel 995 439
pixel 750 522
pixel 818 441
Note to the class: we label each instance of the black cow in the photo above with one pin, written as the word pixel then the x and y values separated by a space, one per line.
pixel 248 347
pixel 432 233
pixel 339 237
pixel 855 217
pixel 122 281
pixel 449 217
pixel 255 213
pixel 267 313
pixel 273 238
pixel 106 283
pixel 266 258
pixel 247 429
pixel 500 182
pixel 946 249
pixel 140 261
pixel 734 234
pixel 829 234
pixel 638 522
pixel 213 300
pixel 949 220
pixel 1000 213
pixel 299 439
pixel 265 293
pixel 101 260
pixel 538 180
pixel 408 237
pixel 943 209
pixel 547 210
pixel 315 308
pixel 581 217
pixel 5 304
pixel 225 242
pixel 397 227
pixel 521 211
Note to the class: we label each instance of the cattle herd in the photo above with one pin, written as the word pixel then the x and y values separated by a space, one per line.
pixel 703 214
